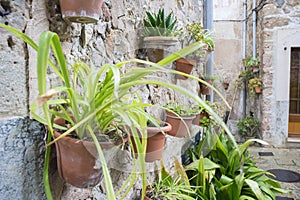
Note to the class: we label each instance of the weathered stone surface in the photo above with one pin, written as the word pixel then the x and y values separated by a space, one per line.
pixel 272 22
pixel 292 3
pixel 21 152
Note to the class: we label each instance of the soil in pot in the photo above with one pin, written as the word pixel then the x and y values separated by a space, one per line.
pixel 179 129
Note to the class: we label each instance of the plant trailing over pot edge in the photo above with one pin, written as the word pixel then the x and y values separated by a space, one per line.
pixel 119 85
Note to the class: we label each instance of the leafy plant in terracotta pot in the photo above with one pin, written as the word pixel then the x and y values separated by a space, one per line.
pixel 97 101
pixel 249 127
pixel 180 117
pixel 191 33
pixel 159 33
pixel 252 64
pixel 81 11
pixel 255 85
pixel 155 136
pixel 204 88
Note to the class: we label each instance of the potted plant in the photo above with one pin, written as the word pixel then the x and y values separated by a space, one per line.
pixel 245 75
pixel 255 85
pixel 81 11
pixel 252 63
pixel 248 127
pixel 155 137
pixel 159 33
pixel 180 117
pixel 203 118
pixel 166 186
pixel 96 100
pixel 204 89
pixel 195 32
pixel 184 65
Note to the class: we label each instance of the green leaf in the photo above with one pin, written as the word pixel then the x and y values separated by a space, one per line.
pixel 255 189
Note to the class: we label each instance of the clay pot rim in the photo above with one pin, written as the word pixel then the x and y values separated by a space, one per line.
pixel 162 129
pixel 103 144
pixel 183 117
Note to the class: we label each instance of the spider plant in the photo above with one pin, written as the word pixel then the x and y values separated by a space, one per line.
pixel 98 98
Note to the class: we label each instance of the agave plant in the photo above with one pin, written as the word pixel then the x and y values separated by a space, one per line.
pixel 156 24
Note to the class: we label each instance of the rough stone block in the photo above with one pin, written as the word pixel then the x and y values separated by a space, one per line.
pixel 21 152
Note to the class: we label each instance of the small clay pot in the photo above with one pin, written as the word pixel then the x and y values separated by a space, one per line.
pixel 185 66
pixel 77 159
pixel 257 89
pixel 81 11
pixel 155 142
pixel 178 125
pixel 200 116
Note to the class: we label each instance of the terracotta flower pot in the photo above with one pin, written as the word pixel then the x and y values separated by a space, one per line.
pixel 76 160
pixel 178 125
pixel 225 85
pixel 200 116
pixel 205 90
pixel 185 66
pixel 155 142
pixel 257 89
pixel 81 11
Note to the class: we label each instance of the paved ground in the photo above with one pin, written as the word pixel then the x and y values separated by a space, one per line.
pixel 284 158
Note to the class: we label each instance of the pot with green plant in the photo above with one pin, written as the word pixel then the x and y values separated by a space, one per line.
pixel 168 186
pixel 249 127
pixel 180 117
pixel 255 85
pixel 159 33
pixel 81 11
pixel 96 100
pixel 252 63
pixel 195 32
pixel 204 88
pixel 155 137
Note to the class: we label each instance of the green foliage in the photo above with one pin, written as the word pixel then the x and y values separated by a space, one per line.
pixel 254 82
pixel 194 32
pixel 171 187
pixel 249 126
pixel 98 98
pixel 233 173
pixel 246 75
pixel 250 61
pixel 156 24
pixel 181 110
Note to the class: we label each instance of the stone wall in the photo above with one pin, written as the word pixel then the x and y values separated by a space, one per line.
pixel 116 37
pixel 21 152
pixel 228 27
pixel 274 16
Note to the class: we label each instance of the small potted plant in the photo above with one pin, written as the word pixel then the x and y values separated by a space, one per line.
pixel 248 127
pixel 81 11
pixel 252 63
pixel 159 33
pixel 204 89
pixel 192 33
pixel 166 186
pixel 180 117
pixel 255 85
